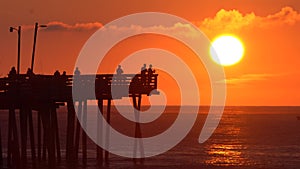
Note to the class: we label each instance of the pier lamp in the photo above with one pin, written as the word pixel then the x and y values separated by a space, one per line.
pixel 34 42
pixel 11 29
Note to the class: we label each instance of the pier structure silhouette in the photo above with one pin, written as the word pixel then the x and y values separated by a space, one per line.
pixel 44 94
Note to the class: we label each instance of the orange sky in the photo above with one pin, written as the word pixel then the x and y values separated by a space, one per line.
pixel 268 74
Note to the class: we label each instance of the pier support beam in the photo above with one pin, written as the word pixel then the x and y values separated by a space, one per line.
pixel 107 135
pixel 137 99
pixel 13 153
pixel 51 144
pixel 55 129
pixel 81 116
pixel 39 143
pixel 23 128
pixel 84 135
pixel 100 133
pixel 78 130
pixel 26 123
pixel 70 132
pixel 1 157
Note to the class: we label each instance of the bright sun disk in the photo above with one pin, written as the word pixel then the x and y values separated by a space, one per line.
pixel 227 50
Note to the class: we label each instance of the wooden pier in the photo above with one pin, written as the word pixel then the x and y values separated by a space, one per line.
pixel 46 93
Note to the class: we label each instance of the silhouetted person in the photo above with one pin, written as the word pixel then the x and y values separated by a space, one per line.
pixel 29 72
pixel 76 79
pixel 150 70
pixel 76 72
pixel 119 70
pixel 64 73
pixel 144 68
pixel 150 73
pixel 63 78
pixel 56 73
pixel 12 72
pixel 143 74
pixel 119 77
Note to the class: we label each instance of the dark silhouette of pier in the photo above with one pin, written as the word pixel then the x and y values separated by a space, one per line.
pixel 46 93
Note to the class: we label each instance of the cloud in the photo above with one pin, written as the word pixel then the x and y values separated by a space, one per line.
pixel 233 20
pixel 76 27
pixel 60 26
pixel 225 21
pixel 177 28
pixel 180 29
pixel 247 78
pixel 287 16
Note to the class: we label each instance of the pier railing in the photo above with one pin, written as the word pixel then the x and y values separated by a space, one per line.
pixel 59 88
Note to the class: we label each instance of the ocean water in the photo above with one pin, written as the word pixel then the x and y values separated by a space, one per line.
pixel 247 137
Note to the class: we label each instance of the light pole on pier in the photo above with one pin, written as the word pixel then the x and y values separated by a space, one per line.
pixel 11 29
pixel 34 42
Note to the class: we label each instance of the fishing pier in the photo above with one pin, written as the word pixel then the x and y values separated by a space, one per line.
pixel 25 94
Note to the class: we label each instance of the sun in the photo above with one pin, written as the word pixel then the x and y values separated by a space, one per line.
pixel 227 50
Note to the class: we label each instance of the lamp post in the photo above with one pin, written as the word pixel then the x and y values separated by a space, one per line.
pixel 34 42
pixel 11 29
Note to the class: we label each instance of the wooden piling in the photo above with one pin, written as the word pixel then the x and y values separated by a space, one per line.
pixel 13 153
pixel 51 138
pixel 84 135
pixel 23 128
pixel 78 130
pixel 100 133
pixel 56 130
pixel 31 135
pixel 1 155
pixel 70 132
pixel 39 136
pixel 138 133
pixel 107 136
pixel 43 113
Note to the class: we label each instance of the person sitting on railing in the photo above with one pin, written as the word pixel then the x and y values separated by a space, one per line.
pixel 12 72
pixel 64 78
pixel 150 73
pixel 143 74
pixel 56 84
pixel 144 68
pixel 56 73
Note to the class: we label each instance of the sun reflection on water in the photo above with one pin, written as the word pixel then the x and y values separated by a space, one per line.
pixel 227 148
pixel 225 155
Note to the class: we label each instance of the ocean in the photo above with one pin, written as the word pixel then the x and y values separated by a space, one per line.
pixel 246 138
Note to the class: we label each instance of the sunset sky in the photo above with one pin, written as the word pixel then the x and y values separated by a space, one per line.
pixel 269 29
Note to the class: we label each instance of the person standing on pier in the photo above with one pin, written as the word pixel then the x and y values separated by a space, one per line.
pixel 77 84
pixel 76 72
pixel 12 72
pixel 119 77
pixel 29 72
pixel 119 70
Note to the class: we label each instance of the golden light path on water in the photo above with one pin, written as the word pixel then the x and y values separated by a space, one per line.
pixel 227 152
pixel 225 155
